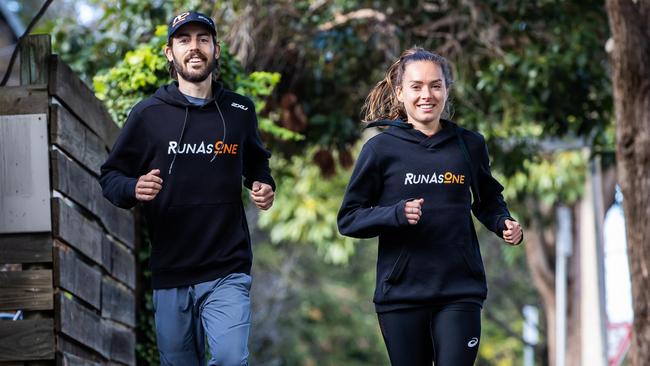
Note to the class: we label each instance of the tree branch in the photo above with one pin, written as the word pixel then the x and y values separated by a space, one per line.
pixel 340 19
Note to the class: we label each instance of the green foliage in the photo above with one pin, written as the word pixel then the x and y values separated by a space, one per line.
pixel 306 206
pixel 549 83
pixel 144 69
pixel 326 318
pixel 121 26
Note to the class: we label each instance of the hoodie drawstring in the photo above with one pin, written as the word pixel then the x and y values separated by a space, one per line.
pixel 223 121
pixel 179 140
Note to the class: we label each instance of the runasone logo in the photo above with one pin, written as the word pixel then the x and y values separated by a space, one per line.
pixel 446 178
pixel 218 148
pixel 472 342
pixel 239 106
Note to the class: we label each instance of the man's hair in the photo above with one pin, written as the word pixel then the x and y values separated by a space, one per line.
pixel 172 70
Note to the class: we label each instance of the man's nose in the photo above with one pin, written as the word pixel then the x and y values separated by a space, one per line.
pixel 194 43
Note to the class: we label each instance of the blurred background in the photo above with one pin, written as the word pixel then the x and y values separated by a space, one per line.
pixel 532 76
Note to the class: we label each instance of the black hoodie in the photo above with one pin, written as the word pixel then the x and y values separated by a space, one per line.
pixel 437 260
pixel 197 224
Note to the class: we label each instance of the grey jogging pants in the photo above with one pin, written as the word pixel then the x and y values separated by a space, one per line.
pixel 218 310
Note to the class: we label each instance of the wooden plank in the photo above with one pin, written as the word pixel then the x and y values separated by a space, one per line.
pixel 75 276
pixel 118 302
pixel 26 248
pixel 24 177
pixel 80 323
pixel 35 53
pixel 119 222
pixel 26 290
pixel 71 179
pixel 81 101
pixel 76 139
pixel 80 233
pixel 68 359
pixel 66 345
pixel 123 264
pixel 24 340
pixel 122 343
pixel 107 253
pixel 23 100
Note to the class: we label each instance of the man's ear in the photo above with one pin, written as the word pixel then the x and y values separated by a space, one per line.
pixel 169 54
pixel 217 51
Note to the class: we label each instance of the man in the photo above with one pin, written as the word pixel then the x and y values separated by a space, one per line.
pixel 182 153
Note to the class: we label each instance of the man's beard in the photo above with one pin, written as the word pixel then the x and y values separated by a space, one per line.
pixel 191 75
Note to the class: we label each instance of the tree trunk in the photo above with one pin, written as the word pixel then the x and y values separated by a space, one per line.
pixel 541 263
pixel 630 57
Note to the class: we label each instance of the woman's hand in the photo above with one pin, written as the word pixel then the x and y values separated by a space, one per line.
pixel 513 233
pixel 413 210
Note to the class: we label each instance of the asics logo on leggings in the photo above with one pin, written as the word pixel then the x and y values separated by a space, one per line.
pixel 472 342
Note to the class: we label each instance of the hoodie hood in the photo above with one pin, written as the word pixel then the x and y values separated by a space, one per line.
pixel 407 132
pixel 170 94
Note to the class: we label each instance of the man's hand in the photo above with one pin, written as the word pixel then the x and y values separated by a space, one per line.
pixel 413 210
pixel 513 233
pixel 148 186
pixel 262 194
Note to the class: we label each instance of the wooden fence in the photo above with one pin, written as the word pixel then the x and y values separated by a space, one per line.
pixel 67 253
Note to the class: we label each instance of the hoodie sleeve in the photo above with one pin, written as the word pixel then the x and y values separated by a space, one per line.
pixel 125 163
pixel 491 210
pixel 256 158
pixel 359 217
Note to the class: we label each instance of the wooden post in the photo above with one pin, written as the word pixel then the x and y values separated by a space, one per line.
pixel 35 54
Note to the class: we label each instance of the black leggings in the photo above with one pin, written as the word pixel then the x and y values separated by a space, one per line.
pixel 446 334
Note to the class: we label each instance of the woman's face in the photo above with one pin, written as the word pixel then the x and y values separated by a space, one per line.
pixel 423 92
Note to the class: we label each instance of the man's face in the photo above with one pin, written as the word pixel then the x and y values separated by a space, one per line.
pixel 193 52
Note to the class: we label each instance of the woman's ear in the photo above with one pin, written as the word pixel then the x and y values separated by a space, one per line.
pixel 399 94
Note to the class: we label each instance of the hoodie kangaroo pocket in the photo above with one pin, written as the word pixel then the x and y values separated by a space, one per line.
pixel 396 272
pixel 192 236
pixel 472 263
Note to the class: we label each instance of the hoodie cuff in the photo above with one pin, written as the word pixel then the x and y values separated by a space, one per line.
pixel 248 183
pixel 501 225
pixel 399 213
pixel 130 190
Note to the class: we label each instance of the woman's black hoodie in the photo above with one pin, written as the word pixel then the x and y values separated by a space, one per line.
pixel 197 224
pixel 437 260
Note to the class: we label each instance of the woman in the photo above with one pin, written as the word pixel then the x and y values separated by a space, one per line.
pixel 415 185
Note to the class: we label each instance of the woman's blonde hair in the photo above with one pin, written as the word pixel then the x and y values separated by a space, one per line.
pixel 382 102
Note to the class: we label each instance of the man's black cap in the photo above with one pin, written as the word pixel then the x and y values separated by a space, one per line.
pixel 190 17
